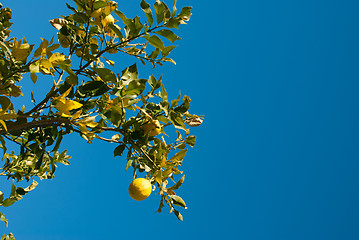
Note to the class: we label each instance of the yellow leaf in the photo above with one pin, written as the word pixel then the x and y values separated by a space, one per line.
pixel 57 58
pixel 3 124
pixel 45 66
pixel 65 106
pixel 77 114
pixel 5 116
pixel 21 52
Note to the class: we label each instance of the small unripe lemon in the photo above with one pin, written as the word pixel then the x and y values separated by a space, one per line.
pixel 140 189
pixel 152 128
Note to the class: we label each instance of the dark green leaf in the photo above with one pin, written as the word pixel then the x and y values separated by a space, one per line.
pixel 191 140
pixel 106 74
pixel 147 9
pixel 119 150
pixel 116 30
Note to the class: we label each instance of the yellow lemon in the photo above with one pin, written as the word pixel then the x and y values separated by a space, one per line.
pixel 140 189
pixel 152 128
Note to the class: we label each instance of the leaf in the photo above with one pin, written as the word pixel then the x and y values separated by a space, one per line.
pixel 119 150
pixel 178 215
pixel 154 41
pixel 167 50
pixel 3 124
pixel 8 202
pixel 147 9
pixel 194 122
pixel 154 54
pixel 179 156
pixel 178 201
pixel 56 59
pixel 130 24
pixel 21 52
pixel 33 77
pixel 2 218
pixel 58 23
pixel 32 186
pixel 168 34
pixel 191 140
pixel 178 184
pixel 185 14
pixel 92 89
pixel 116 29
pixel 130 73
pixel 136 87
pixel 106 74
pixel 129 163
pixel 65 106
pixel 160 10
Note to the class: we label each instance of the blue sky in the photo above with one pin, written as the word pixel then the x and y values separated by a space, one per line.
pixel 277 156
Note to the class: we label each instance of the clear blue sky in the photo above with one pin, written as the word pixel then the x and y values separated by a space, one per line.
pixel 277 157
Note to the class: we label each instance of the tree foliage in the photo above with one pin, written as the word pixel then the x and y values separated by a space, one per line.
pixel 90 97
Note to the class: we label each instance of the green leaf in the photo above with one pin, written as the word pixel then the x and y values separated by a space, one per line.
pixel 154 54
pixel 173 23
pixel 116 30
pixel 167 12
pixel 106 74
pixel 185 14
pixel 160 11
pixel 191 140
pixel 93 89
pixel 130 24
pixel 178 184
pixel 154 41
pixel 119 150
pixel 130 73
pixel 168 34
pixel 167 50
pixel 136 87
pixel 5 103
pixel 8 202
pixel 99 4
pixel 147 9
pixel 179 156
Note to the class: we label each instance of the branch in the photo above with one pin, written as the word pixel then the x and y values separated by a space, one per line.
pixel 39 123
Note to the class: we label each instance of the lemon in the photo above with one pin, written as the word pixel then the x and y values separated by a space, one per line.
pixel 140 189
pixel 152 128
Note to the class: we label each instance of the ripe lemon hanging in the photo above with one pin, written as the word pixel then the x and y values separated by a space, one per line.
pixel 140 189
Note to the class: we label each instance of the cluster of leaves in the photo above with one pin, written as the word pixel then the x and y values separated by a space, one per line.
pixel 91 98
